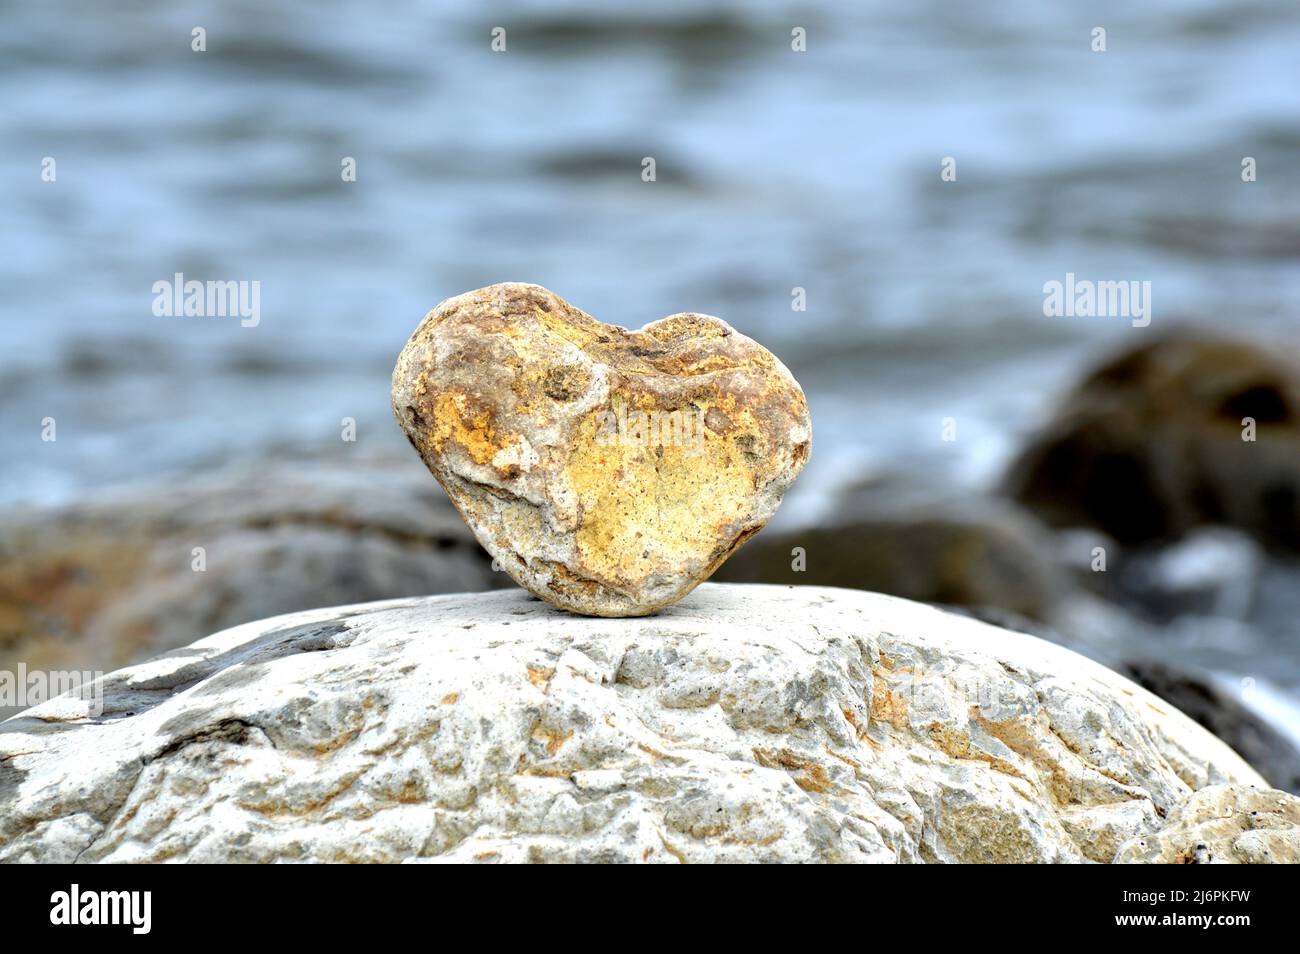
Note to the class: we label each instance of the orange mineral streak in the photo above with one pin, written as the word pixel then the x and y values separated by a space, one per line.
pixel 469 428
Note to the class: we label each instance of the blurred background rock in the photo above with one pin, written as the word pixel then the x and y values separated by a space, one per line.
pixel 776 170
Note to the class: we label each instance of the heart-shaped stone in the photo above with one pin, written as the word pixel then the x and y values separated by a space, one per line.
pixel 607 471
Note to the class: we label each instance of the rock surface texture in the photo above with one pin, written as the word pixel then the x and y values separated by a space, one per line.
pixel 745 723
pixel 1196 694
pixel 607 471
pixel 1224 824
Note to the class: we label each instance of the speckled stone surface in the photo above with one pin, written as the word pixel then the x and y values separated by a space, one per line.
pixel 1223 824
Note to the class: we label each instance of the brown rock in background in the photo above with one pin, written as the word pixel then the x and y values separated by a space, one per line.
pixel 103 583
pixel 1150 445
pixel 994 558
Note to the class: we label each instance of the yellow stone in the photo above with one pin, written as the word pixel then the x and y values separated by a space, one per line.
pixel 607 471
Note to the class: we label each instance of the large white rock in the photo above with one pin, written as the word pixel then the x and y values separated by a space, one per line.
pixel 746 723
pixel 1223 824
